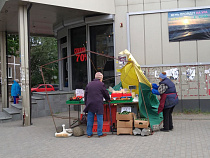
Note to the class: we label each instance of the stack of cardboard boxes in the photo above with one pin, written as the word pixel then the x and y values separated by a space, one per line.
pixel 124 123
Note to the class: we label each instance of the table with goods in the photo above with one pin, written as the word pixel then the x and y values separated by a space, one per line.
pixel 121 114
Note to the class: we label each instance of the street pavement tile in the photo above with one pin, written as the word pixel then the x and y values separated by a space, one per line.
pixel 190 138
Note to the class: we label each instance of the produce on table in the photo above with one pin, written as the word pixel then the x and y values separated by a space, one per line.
pixel 142 119
pixel 76 98
pixel 124 113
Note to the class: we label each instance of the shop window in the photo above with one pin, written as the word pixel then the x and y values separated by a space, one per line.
pixel 9 72
pixel 79 61
pixel 101 41
pixel 63 40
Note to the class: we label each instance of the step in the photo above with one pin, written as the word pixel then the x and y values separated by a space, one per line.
pixel 17 106
pixel 4 117
pixel 11 111
pixel 33 101
pixel 37 98
pixel 15 113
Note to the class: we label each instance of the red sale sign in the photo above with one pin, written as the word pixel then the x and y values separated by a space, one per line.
pixel 80 57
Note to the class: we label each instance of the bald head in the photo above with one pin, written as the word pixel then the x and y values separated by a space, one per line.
pixel 99 76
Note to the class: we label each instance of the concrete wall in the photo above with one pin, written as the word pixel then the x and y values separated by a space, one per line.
pixel 149 44
pixel 105 6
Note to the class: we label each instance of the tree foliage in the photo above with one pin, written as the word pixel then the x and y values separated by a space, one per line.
pixel 13 44
pixel 43 51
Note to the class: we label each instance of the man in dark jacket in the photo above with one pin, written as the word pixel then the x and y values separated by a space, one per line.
pixel 94 93
pixel 168 100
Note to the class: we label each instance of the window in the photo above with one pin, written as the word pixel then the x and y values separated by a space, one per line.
pixel 63 40
pixel 79 61
pixel 42 86
pixel 101 41
pixel 9 72
pixel 48 86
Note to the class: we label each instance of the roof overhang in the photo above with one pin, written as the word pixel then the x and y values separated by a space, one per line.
pixel 45 14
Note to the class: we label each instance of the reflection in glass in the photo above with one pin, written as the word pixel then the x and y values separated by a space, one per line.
pixel 79 61
pixel 101 41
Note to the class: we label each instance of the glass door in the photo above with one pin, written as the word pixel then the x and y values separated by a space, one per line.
pixel 101 41
pixel 65 67
pixel 79 61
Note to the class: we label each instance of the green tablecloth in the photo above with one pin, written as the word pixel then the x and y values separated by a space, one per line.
pixel 112 102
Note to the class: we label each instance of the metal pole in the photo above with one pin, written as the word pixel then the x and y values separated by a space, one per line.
pixel 3 69
pixel 29 59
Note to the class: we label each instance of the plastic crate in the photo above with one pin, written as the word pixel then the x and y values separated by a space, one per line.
pixel 127 95
pixel 107 113
pixel 106 126
pixel 116 95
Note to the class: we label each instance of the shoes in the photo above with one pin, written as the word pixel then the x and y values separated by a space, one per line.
pixel 164 130
pixel 103 135
pixel 90 136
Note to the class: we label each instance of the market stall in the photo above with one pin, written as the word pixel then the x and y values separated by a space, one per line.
pixel 133 107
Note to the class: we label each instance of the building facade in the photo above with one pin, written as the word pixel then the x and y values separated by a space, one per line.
pixel 13 71
pixel 110 26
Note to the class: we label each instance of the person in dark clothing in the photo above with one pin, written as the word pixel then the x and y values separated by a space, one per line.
pixel 168 100
pixel 95 91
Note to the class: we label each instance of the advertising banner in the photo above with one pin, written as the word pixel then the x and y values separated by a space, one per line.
pixel 189 25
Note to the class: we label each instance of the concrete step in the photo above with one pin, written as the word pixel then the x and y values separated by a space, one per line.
pixel 33 102
pixel 17 106
pixel 14 112
pixel 11 111
pixel 5 117
pixel 37 98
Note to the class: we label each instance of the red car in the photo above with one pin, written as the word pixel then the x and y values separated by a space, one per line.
pixel 41 88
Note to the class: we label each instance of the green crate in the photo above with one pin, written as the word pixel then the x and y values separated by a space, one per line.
pixel 75 102
pixel 121 101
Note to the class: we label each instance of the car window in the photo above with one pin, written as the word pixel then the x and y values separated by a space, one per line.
pixel 42 86
pixel 48 86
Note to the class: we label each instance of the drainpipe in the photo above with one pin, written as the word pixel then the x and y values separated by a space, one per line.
pixel 29 57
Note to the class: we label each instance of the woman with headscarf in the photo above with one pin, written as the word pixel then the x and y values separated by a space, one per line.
pixel 168 100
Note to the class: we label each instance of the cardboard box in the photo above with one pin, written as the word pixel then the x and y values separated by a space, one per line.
pixel 124 116
pixel 124 131
pixel 141 124
pixel 134 107
pixel 124 123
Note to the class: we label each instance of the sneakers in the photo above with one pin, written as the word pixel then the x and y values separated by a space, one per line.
pixel 90 136
pixel 103 135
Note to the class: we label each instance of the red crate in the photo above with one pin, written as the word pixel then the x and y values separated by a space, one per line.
pixel 106 126
pixel 107 113
pixel 116 95
pixel 127 95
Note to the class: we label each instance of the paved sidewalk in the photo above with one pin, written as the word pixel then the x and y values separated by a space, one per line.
pixel 189 139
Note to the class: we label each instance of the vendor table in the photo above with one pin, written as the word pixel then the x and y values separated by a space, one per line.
pixel 112 103
pixel 73 103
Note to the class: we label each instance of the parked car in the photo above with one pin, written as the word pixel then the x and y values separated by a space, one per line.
pixel 56 86
pixel 41 88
